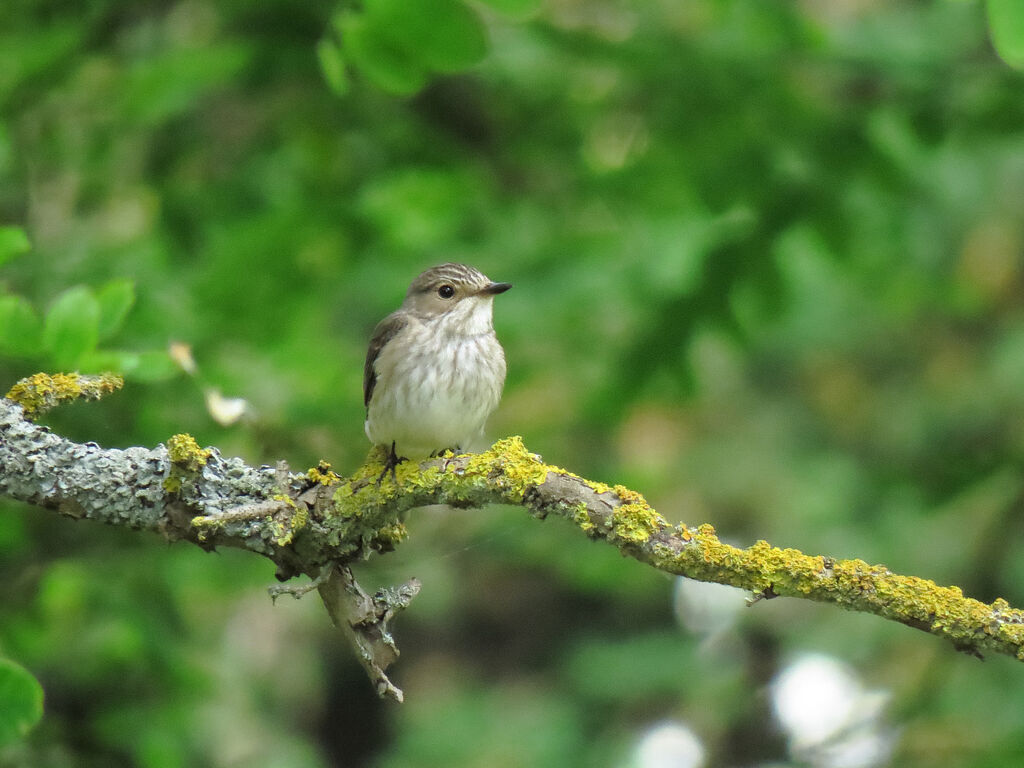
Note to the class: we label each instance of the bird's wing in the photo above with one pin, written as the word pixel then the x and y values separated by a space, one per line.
pixel 385 331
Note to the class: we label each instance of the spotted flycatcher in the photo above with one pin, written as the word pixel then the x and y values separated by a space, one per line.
pixel 434 370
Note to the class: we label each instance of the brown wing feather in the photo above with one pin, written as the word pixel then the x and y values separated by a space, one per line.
pixel 385 331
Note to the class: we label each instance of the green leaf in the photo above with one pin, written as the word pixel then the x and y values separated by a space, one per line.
pixel 115 298
pixel 332 64
pixel 117 361
pixel 20 328
pixel 1006 18
pixel 517 9
pixel 21 701
pixel 13 242
pixel 155 365
pixel 443 35
pixel 71 327
pixel 379 59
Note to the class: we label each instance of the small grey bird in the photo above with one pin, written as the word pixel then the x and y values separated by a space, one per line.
pixel 434 370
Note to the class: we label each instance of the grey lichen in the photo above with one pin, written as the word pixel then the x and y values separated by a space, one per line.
pixel 120 487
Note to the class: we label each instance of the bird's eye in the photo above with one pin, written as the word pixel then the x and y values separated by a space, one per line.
pixel 446 291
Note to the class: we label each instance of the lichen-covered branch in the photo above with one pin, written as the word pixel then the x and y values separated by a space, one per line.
pixel 508 474
pixel 185 492
pixel 316 523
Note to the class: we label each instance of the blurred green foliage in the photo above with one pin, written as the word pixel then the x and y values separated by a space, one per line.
pixel 768 269
pixel 399 46
pixel 21 701
pixel 67 338
pixel 1007 20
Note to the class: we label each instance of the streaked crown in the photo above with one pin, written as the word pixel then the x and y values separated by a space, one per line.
pixel 454 291
pixel 460 275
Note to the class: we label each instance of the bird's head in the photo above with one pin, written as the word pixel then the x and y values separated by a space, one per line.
pixel 460 294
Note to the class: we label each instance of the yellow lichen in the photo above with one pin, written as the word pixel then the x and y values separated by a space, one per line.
pixel 363 508
pixel 581 516
pixel 360 518
pixel 41 392
pixel 281 534
pixel 323 474
pixel 301 518
pixel 284 531
pixel 852 584
pixel 185 452
pixel 508 465
pixel 388 536
pixel 634 520
pixel 207 524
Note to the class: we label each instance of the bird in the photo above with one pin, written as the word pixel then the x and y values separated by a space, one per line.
pixel 434 369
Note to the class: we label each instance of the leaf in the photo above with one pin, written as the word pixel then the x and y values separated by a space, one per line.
pixel 71 327
pixel 332 64
pixel 381 61
pixel 113 360
pixel 13 242
pixel 443 35
pixel 1006 18
pixel 21 701
pixel 155 365
pixel 115 298
pixel 19 328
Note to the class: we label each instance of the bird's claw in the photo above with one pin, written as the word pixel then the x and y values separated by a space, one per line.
pixel 391 462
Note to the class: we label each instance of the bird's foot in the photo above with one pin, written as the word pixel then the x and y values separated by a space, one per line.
pixel 391 462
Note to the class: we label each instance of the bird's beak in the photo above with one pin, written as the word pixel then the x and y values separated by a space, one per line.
pixel 493 289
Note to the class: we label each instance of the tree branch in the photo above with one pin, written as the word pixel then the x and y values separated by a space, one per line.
pixel 316 523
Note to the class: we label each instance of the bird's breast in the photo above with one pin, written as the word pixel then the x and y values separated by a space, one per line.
pixel 436 391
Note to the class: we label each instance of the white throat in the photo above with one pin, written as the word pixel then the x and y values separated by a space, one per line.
pixel 472 316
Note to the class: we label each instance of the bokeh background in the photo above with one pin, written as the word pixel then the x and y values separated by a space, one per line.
pixel 768 265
